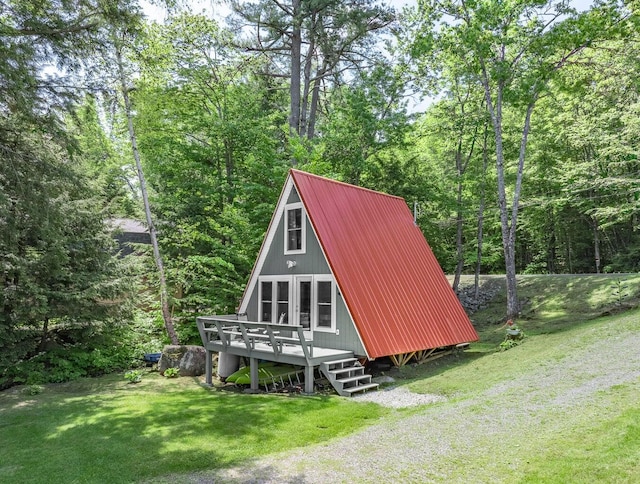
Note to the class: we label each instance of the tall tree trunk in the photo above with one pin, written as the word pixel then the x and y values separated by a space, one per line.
pixel 306 89
pixel 551 248
pixel 508 243
pixel 164 299
pixel 485 163
pixel 461 168
pixel 596 244
pixel 315 99
pixel 459 224
pixel 45 334
pixel 507 223
pixel 296 54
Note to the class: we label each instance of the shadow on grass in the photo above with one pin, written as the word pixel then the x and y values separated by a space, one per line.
pixel 556 303
pixel 408 374
pixel 553 304
pixel 108 430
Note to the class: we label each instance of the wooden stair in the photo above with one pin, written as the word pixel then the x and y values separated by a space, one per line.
pixel 347 376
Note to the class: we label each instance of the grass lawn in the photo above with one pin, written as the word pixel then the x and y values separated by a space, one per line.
pixel 107 430
pixel 564 354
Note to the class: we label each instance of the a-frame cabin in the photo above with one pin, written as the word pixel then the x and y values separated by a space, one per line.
pixel 343 274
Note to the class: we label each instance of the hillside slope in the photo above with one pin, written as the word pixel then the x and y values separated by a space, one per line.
pixel 561 407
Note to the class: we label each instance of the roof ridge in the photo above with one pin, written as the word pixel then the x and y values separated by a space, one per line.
pixel 338 182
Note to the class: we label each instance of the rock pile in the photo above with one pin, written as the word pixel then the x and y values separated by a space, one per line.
pixel 471 304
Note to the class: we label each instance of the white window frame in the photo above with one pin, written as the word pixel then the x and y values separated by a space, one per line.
pixel 303 227
pixel 274 294
pixel 314 297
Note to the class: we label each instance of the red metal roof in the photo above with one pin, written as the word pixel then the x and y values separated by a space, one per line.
pixel 396 292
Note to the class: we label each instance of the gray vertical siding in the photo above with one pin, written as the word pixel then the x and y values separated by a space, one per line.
pixel 309 263
pixel 347 339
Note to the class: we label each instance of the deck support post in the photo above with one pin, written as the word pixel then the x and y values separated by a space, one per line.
pixel 308 379
pixel 253 371
pixel 208 371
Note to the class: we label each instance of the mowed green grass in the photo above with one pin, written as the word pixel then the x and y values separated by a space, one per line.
pixel 107 430
pixel 595 442
pixel 554 303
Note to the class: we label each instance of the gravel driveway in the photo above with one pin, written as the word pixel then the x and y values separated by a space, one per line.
pixel 490 429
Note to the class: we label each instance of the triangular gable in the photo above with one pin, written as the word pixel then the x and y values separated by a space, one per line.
pixel 266 244
pixel 390 280
pixel 272 230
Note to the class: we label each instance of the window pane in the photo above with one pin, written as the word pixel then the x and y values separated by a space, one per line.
pixel 295 218
pixel 283 313
pixel 283 291
pixel 324 303
pixel 324 292
pixel 305 303
pixel 294 229
pixel 324 315
pixel 266 312
pixel 265 303
pixel 266 290
pixel 283 302
pixel 294 241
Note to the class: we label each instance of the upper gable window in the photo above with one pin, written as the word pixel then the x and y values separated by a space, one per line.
pixel 294 229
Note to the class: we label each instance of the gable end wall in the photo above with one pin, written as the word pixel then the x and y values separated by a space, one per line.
pixel 310 263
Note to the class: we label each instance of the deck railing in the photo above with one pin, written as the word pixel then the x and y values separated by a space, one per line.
pixel 227 330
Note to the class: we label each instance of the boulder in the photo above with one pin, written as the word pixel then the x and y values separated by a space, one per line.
pixel 190 359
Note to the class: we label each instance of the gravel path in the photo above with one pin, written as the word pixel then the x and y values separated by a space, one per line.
pixel 434 444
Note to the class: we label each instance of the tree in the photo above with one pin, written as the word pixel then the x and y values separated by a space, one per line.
pixel 210 136
pixel 513 50
pixel 58 261
pixel 365 119
pixel 597 103
pixel 37 36
pixel 57 264
pixel 312 44
pixel 157 257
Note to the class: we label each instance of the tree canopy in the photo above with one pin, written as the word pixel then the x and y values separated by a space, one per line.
pixel 524 160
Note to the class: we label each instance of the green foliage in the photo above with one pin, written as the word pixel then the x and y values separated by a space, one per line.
pixel 59 267
pixel 171 372
pixel 34 36
pixel 620 291
pixel 58 271
pixel 133 376
pixel 511 342
pixel 210 152
pixel 213 131
pixel 62 362
pixel 367 119
pixel 34 389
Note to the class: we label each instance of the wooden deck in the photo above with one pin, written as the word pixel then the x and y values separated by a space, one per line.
pixel 281 343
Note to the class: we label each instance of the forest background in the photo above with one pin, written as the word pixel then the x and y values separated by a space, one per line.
pixel 525 160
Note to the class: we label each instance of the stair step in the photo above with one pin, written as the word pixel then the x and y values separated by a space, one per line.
pixel 360 388
pixel 341 362
pixel 354 378
pixel 339 371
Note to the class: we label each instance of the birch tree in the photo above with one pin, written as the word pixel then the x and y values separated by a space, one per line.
pixel 513 50
pixel 124 91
